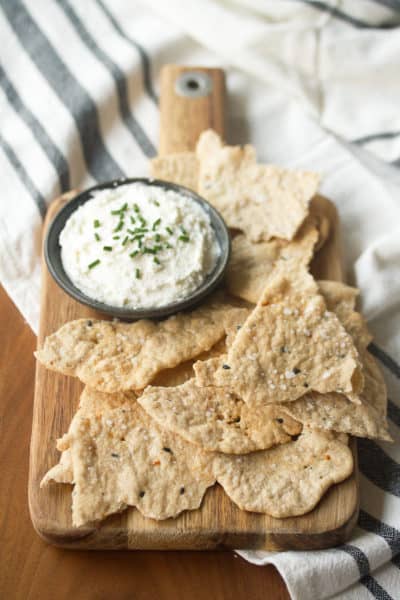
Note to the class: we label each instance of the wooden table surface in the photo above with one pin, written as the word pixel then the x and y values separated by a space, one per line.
pixel 31 569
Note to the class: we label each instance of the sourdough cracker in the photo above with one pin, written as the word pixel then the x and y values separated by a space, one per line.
pixel 216 419
pixel 181 373
pixel 113 357
pixel 121 458
pixel 341 299
pixel 263 201
pixel 287 480
pixel 62 472
pixel 180 168
pixel 251 264
pixel 334 411
pixel 289 345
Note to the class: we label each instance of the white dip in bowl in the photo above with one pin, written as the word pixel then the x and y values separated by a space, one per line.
pixel 138 246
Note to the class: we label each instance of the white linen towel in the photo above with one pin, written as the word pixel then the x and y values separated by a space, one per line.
pixel 312 84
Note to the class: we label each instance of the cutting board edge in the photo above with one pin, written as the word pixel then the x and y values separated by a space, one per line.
pixel 205 113
pixel 97 538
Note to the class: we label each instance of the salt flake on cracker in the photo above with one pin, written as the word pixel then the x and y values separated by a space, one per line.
pixel 290 345
pixel 120 457
pixel 334 411
pixel 216 419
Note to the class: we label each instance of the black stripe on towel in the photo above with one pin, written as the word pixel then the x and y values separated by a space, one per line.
pixel 118 76
pixel 375 588
pixel 346 18
pixel 366 579
pixel 396 561
pixel 24 177
pixel 388 533
pixel 49 148
pixel 360 558
pixel 393 4
pixel 74 97
pixel 144 58
pixel 393 413
pixel 385 359
pixel 378 467
pixel 385 135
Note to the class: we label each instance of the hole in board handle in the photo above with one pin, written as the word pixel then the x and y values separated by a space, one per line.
pixel 193 84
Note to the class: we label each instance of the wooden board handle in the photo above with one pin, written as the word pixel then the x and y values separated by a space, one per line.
pixel 192 100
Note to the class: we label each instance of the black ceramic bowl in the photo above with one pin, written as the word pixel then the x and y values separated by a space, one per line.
pixel 52 252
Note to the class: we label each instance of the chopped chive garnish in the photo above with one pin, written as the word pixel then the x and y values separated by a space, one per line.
pixel 155 259
pixel 169 230
pixel 138 237
pixel 149 250
pixel 116 237
pixel 132 220
pixel 184 238
pixel 157 248
pixel 183 230
pixel 107 248
pixel 94 264
pixel 136 208
pixel 119 226
pixel 143 221
pixel 133 254
pixel 156 203
pixel 168 246
pixel 138 230
pixel 140 243
pixel 97 237
pixel 157 237
pixel 126 240
pixel 119 211
pixel 156 224
pixel 96 223
pixel 138 274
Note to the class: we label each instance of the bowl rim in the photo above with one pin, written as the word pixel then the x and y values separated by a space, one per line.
pixel 58 273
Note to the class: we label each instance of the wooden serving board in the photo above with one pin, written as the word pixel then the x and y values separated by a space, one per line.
pixel 218 523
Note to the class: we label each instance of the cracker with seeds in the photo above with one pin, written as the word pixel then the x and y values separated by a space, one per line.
pixel 180 168
pixel 183 168
pixel 113 357
pixel 216 419
pixel 120 458
pixel 251 264
pixel 183 372
pixel 341 299
pixel 287 480
pixel 334 411
pixel 263 201
pixel 290 345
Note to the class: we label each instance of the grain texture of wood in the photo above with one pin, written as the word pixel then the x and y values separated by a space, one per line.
pixel 34 570
pixel 182 119
pixel 219 523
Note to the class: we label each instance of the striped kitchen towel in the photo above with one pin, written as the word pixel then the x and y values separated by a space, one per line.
pixel 311 84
